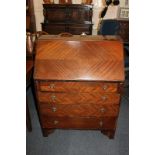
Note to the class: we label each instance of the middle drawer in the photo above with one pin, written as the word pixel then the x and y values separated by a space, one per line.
pixel 78 110
pixel 78 98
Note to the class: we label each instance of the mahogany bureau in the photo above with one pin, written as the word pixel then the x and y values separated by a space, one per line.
pixel 78 82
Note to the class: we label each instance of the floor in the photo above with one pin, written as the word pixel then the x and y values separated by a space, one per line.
pixel 79 142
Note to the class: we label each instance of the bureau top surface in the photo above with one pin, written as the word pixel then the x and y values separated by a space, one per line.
pixel 87 58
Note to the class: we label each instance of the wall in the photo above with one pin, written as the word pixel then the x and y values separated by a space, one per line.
pixel 97 8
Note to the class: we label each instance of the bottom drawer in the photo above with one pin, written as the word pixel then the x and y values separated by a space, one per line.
pixel 78 122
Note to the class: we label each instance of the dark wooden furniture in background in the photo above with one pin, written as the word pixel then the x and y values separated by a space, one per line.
pixel 72 18
pixel 29 70
pixel 65 1
pixel 30 17
pixel 30 27
pixel 124 33
pixel 124 30
pixel 30 55
pixel 78 82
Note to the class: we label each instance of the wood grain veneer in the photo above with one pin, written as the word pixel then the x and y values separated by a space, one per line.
pixel 71 98
pixel 78 122
pixel 79 110
pixel 79 60
pixel 82 87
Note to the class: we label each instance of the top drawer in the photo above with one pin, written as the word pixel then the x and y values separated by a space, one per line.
pixel 77 86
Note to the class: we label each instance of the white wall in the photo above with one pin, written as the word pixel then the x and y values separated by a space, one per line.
pixel 97 8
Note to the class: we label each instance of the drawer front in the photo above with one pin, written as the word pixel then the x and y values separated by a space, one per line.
pixel 78 86
pixel 70 14
pixel 77 98
pixel 54 28
pixel 79 123
pixel 79 110
pixel 78 29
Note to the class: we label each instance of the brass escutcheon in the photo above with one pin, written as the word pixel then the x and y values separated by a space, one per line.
pixel 54 109
pixel 53 97
pixel 105 87
pixel 101 123
pixel 104 97
pixel 102 109
pixel 56 122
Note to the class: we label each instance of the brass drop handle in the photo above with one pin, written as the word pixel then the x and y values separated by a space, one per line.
pixel 56 122
pixel 102 109
pixel 54 109
pixel 101 123
pixel 104 98
pixel 52 86
pixel 105 87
